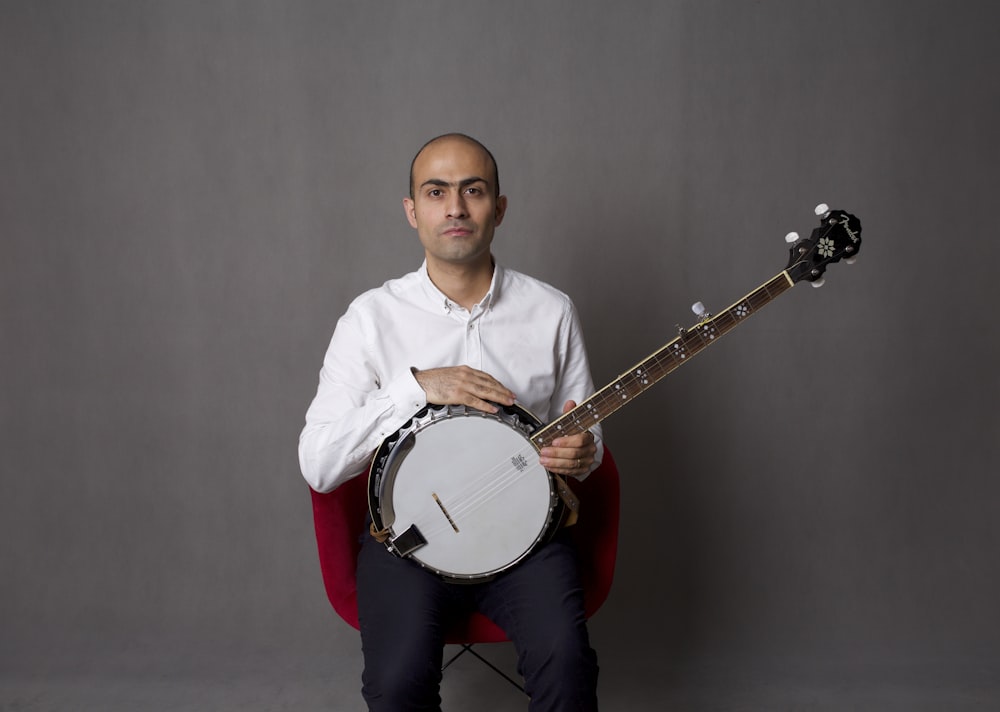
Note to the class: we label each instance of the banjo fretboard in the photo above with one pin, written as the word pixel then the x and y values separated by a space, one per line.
pixel 643 375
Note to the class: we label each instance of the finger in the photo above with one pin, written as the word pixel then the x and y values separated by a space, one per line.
pixel 495 391
pixel 573 460
pixel 576 466
pixel 583 440
pixel 482 385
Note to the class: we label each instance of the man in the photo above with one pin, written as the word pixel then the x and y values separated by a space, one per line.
pixel 461 330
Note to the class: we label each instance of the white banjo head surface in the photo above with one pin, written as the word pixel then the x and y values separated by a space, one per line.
pixel 474 488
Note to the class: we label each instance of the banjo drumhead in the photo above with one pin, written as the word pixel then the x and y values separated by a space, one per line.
pixel 474 488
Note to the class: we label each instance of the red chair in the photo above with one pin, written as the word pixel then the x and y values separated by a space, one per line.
pixel 339 518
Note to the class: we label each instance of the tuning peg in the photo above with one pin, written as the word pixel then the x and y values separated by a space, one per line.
pixel 817 283
pixel 822 210
pixel 791 237
pixel 699 309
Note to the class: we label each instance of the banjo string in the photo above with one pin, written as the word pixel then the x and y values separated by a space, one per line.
pixel 476 493
pixel 493 483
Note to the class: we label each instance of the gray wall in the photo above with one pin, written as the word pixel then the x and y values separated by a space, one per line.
pixel 191 193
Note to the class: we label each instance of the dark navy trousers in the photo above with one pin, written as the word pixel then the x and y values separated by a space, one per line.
pixel 404 611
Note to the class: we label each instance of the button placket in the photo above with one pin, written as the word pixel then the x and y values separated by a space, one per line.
pixel 473 344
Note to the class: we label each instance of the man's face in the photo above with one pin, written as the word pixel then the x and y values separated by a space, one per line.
pixel 454 206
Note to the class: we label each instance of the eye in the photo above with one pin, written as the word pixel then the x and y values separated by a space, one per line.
pixel 473 190
pixel 434 193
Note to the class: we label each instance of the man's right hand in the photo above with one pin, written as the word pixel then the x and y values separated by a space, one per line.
pixel 461 385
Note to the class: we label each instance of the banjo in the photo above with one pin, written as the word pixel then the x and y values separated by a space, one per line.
pixel 461 492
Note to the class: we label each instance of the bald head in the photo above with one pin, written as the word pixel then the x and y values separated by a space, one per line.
pixel 465 139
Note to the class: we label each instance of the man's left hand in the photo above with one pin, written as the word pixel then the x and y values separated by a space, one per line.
pixel 570 455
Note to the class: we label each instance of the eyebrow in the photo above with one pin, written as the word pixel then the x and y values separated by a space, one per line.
pixel 461 184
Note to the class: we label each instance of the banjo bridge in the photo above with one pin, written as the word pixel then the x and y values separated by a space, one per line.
pixel 444 511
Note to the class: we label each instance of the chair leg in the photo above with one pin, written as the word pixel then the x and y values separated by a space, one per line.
pixel 467 648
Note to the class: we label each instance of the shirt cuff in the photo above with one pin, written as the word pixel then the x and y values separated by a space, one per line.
pixel 406 394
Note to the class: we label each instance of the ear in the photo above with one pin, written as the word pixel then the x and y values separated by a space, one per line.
pixel 411 212
pixel 501 209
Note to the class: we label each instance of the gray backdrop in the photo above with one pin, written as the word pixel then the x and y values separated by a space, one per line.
pixel 192 193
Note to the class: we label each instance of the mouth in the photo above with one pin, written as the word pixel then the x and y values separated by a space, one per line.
pixel 458 231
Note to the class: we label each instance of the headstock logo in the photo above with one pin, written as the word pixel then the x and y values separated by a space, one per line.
pixel 845 223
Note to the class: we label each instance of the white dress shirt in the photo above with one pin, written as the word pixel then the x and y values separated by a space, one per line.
pixel 524 333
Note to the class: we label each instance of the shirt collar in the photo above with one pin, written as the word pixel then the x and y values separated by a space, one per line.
pixel 441 301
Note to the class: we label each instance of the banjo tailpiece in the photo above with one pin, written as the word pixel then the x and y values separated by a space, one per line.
pixel 408 542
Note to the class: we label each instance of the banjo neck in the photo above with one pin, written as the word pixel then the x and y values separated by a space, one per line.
pixel 642 376
pixel 837 237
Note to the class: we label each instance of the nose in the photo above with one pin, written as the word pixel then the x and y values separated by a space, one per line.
pixel 456 206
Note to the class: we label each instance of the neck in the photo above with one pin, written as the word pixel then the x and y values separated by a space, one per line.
pixel 464 284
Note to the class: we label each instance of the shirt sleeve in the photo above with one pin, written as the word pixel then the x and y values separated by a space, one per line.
pixel 575 381
pixel 354 409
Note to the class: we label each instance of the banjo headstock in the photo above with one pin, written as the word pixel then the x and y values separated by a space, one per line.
pixel 837 237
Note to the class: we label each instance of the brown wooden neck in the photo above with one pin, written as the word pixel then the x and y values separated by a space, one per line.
pixel 643 375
